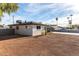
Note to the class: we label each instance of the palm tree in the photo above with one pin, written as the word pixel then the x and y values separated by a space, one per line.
pixel 8 8
pixel 57 21
pixel 70 20
pixel 0 14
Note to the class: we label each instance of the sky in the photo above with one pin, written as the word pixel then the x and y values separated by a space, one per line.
pixel 45 13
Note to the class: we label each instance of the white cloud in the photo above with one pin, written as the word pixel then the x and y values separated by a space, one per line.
pixel 39 1
pixel 9 19
pixel 42 11
pixel 36 9
pixel 63 21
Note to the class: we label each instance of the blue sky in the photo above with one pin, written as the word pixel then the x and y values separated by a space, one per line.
pixel 41 12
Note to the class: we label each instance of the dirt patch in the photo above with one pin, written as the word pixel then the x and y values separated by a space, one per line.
pixel 48 45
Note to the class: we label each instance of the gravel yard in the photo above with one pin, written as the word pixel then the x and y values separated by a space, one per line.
pixel 50 45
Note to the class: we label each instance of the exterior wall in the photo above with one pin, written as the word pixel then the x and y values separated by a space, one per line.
pixel 37 32
pixel 31 30
pixel 1 28
pixel 23 31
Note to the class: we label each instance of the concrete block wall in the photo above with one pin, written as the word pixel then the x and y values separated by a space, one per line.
pixel 4 32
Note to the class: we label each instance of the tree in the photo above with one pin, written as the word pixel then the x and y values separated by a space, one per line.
pixel 8 8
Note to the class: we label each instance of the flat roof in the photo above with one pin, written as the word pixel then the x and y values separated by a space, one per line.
pixel 27 24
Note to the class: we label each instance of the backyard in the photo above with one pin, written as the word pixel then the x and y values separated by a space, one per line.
pixel 48 45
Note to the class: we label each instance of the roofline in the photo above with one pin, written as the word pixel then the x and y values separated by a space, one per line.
pixel 1 25
pixel 26 24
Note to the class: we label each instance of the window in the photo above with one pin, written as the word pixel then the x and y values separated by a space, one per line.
pixel 17 27
pixel 10 27
pixel 38 27
pixel 26 27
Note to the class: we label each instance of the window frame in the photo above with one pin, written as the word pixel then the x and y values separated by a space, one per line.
pixel 38 27
pixel 10 27
pixel 26 27
pixel 17 27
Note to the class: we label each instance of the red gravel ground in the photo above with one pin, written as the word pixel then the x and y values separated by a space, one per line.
pixel 49 45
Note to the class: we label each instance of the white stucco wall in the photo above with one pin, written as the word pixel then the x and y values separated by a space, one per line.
pixel 23 31
pixel 37 32
pixel 31 30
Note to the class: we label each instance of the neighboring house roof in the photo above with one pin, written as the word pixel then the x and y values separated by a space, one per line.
pixel 29 23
